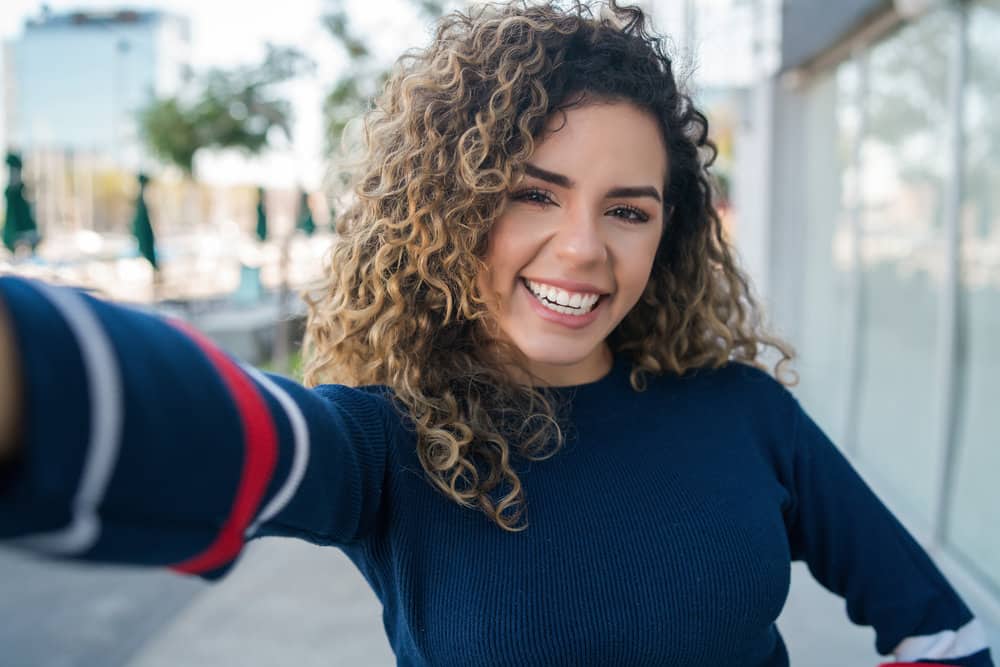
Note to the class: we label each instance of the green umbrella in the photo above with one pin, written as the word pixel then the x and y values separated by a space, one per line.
pixel 305 222
pixel 142 228
pixel 261 216
pixel 19 225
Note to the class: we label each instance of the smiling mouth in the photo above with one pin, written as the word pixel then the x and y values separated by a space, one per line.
pixel 562 301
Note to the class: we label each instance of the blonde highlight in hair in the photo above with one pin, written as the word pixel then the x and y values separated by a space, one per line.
pixel 443 145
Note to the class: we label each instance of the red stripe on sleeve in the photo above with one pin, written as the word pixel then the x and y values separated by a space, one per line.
pixel 260 438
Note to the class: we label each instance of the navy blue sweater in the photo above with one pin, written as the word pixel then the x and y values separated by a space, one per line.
pixel 661 534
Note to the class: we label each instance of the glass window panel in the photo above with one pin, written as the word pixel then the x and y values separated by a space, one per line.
pixel 833 115
pixel 973 524
pixel 905 173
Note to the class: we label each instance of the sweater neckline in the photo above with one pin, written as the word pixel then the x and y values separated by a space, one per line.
pixel 619 371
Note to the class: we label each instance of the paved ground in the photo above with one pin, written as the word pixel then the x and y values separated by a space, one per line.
pixel 58 615
pixel 287 603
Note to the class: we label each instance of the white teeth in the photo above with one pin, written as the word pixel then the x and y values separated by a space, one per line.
pixel 561 301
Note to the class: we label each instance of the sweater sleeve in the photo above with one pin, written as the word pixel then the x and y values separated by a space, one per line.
pixel 856 548
pixel 145 444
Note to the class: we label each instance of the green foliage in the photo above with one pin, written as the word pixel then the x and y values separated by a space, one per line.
pixel 171 132
pixel 339 27
pixel 352 94
pixel 350 97
pixel 235 108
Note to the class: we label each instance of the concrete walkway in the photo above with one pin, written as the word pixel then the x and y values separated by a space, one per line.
pixel 55 614
pixel 287 603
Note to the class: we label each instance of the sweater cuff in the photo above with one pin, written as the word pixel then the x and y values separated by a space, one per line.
pixel 56 410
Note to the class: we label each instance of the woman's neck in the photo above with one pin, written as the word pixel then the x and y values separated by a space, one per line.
pixel 591 368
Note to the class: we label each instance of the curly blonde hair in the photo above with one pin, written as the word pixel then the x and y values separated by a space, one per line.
pixel 444 144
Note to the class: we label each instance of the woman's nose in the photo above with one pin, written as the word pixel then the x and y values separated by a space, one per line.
pixel 580 239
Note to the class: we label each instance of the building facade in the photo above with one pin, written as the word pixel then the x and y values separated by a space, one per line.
pixel 74 84
pixel 75 81
pixel 873 231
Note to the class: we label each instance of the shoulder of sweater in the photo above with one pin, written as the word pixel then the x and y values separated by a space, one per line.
pixel 379 398
pixel 739 376
pixel 737 387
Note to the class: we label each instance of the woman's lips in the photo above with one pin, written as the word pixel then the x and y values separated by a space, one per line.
pixel 566 320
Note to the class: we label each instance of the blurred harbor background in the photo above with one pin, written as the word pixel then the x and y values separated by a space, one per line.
pixel 859 173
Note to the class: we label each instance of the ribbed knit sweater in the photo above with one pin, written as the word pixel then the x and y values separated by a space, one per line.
pixel 661 533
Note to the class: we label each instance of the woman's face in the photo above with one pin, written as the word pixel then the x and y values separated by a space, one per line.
pixel 573 249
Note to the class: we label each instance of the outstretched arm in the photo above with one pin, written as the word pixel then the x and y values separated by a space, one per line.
pixel 143 443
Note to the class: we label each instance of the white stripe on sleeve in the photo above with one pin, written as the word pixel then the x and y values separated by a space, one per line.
pixel 104 387
pixel 300 460
pixel 944 645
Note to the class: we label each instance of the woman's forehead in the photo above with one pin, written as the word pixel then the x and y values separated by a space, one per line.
pixel 591 138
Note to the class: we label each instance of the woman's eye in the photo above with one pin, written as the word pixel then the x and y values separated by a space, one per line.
pixel 629 214
pixel 533 196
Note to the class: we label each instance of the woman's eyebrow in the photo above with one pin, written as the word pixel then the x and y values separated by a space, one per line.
pixel 566 182
pixel 646 191
pixel 550 176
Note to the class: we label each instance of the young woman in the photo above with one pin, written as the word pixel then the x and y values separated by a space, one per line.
pixel 550 440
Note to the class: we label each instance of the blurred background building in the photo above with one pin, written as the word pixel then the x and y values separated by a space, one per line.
pixel 75 81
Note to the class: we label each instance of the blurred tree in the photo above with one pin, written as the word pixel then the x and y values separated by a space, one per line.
pixel 352 93
pixel 19 223
pixel 234 108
